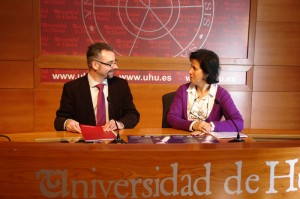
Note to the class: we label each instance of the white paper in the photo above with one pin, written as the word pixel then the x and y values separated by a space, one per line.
pixel 221 135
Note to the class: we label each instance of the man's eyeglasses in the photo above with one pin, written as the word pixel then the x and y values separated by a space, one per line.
pixel 109 64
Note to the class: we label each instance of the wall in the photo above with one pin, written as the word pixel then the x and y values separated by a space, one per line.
pixel 268 100
pixel 276 75
pixel 16 66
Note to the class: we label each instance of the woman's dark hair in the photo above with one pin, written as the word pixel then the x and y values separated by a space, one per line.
pixel 93 51
pixel 209 63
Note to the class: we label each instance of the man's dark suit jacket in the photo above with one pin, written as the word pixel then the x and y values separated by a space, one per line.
pixel 76 103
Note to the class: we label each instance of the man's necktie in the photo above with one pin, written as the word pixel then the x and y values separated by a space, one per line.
pixel 101 116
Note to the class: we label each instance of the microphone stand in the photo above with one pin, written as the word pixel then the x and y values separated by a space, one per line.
pixel 238 137
pixel 118 139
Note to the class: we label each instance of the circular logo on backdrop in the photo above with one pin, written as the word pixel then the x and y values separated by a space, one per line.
pixel 159 28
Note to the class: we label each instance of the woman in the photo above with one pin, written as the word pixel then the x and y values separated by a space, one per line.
pixel 200 104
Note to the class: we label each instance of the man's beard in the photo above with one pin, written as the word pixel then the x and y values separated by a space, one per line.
pixel 110 74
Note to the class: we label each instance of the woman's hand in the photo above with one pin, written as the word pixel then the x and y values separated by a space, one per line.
pixel 202 126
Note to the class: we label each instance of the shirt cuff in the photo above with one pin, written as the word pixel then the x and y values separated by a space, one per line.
pixel 65 124
pixel 212 126
pixel 191 126
pixel 120 125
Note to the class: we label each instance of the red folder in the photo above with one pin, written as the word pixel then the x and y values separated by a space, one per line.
pixel 96 133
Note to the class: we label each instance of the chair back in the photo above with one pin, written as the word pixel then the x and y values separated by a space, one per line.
pixel 166 102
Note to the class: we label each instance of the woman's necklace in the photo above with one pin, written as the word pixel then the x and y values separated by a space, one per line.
pixel 198 109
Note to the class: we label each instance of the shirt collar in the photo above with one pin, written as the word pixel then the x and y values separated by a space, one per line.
pixel 191 90
pixel 212 90
pixel 94 83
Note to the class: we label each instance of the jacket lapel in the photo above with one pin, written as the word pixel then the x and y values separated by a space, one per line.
pixel 87 98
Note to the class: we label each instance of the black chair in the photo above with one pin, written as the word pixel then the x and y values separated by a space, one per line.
pixel 166 102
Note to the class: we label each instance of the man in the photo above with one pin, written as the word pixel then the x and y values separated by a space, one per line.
pixel 78 104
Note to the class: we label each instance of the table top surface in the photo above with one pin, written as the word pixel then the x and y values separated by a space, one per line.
pixel 58 137
pixel 40 136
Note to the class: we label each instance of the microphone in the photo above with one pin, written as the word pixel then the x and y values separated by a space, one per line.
pixel 238 138
pixel 5 136
pixel 118 139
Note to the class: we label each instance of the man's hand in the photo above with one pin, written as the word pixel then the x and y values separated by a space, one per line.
pixel 72 126
pixel 111 125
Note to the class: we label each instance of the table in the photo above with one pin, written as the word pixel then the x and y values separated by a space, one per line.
pixel 58 136
pixel 223 170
